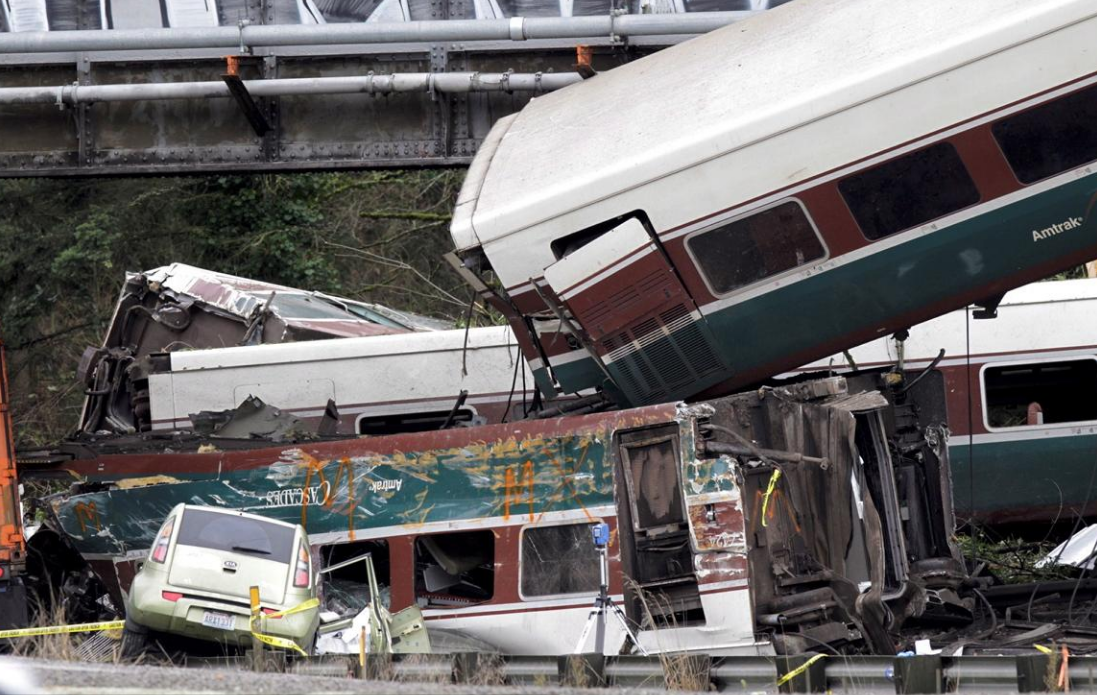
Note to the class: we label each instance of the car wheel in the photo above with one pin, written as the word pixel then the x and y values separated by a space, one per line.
pixel 135 640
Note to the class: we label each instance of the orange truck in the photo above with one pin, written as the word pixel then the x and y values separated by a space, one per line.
pixel 13 551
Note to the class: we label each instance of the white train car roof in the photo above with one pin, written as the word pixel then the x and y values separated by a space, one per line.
pixel 401 344
pixel 741 85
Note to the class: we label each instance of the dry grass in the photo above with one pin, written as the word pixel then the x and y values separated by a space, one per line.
pixel 686 672
pixel 413 668
pixel 579 674
pixel 490 670
pixel 65 647
pixel 680 671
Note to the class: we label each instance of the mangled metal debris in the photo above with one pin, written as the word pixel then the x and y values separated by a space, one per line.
pixel 765 522
pixel 179 307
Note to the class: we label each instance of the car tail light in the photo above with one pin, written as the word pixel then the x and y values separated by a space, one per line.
pixel 268 611
pixel 172 596
pixel 1 573
pixel 160 547
pixel 301 571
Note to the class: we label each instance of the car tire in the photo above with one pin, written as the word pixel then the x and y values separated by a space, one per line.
pixel 135 640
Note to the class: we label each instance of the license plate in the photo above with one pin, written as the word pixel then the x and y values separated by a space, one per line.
pixel 221 621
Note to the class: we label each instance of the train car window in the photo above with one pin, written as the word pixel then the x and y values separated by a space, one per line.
pixel 909 191
pixel 454 569
pixel 756 247
pixel 1051 138
pixel 1044 393
pixel 558 560
pixel 421 421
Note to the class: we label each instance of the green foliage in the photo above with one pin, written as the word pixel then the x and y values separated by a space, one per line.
pixel 65 246
pixel 1012 560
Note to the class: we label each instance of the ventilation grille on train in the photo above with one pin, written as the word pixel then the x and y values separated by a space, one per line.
pixel 599 318
pixel 661 354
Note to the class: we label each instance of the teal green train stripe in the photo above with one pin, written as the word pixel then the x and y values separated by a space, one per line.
pixel 476 480
pixel 1024 476
pixel 923 272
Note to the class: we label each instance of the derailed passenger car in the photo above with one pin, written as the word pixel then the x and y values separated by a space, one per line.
pixel 179 308
pixel 816 512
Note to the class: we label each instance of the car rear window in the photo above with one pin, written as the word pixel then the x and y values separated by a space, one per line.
pixel 236 534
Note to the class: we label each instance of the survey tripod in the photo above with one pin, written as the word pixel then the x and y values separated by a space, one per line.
pixel 603 603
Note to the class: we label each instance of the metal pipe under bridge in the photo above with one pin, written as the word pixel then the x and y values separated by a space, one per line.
pixel 249 96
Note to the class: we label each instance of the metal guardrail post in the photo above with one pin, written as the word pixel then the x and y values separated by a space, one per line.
pixel 374 667
pixel 582 670
pixel 919 674
pixel 812 678
pixel 1033 673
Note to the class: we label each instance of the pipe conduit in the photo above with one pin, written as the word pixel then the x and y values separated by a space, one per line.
pixel 451 82
pixel 246 36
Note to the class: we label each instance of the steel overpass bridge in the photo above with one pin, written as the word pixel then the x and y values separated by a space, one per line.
pixel 106 87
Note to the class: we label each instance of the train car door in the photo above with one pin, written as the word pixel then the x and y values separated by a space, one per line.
pixel 641 321
pixel 654 531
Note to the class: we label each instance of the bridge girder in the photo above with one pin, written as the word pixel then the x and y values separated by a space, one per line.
pixel 306 132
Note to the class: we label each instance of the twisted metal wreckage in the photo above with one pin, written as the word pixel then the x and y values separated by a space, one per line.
pixel 775 520
pixel 801 516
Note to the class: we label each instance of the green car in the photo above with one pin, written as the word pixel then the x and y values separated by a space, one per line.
pixel 198 577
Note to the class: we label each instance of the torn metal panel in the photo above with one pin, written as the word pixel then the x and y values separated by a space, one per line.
pixel 780 512
pixel 179 307
pixel 835 553
pixel 252 419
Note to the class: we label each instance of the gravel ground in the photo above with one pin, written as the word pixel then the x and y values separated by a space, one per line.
pixel 20 675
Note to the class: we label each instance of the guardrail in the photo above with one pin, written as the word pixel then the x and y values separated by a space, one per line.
pixel 736 674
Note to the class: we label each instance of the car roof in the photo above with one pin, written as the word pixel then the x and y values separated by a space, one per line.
pixel 236 512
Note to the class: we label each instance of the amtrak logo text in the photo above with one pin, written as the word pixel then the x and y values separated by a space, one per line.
pixel 1057 228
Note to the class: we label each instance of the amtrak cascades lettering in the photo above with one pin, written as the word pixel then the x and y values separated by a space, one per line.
pixel 315 495
pixel 1059 227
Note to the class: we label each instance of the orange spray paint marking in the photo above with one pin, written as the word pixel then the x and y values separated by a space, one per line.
pixel 509 485
pixel 528 475
pixel 87 514
pixel 565 482
pixel 344 469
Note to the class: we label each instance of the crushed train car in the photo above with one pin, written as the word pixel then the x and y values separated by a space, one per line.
pixel 185 341
pixel 180 308
pixel 768 521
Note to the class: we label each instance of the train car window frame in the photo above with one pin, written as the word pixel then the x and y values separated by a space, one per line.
pixel 985 405
pixel 423 555
pixel 587 524
pixel 715 226
pixel 1039 112
pixel 466 416
pixel 858 210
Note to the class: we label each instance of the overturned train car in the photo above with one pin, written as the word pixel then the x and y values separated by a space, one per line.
pixel 782 519
pixel 763 196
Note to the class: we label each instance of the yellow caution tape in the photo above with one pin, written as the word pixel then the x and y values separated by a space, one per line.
pixel 279 642
pixel 62 629
pixel 307 605
pixel 769 491
pixel 798 670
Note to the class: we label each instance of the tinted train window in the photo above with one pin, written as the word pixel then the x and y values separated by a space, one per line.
pixel 909 191
pixel 1021 395
pixel 559 560
pixel 756 247
pixel 1051 138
